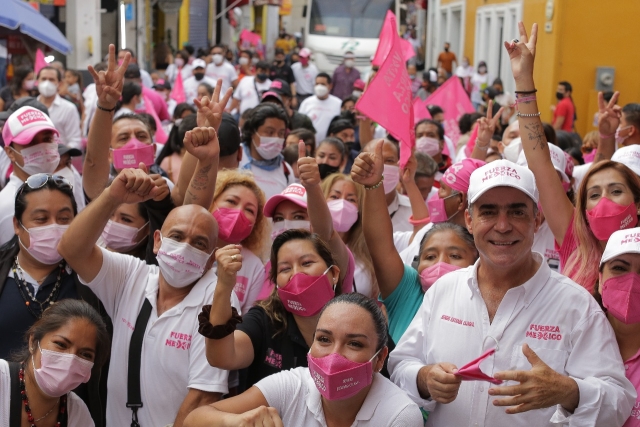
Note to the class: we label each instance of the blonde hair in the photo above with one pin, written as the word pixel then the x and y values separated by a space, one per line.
pixel 582 265
pixel 590 142
pixel 228 178
pixel 355 236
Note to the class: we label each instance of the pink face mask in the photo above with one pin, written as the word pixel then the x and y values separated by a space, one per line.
pixel 621 297
pixel 343 213
pixel 608 217
pixel 120 237
pixel 337 377
pixel 437 211
pixel 588 158
pixel 306 295
pixel 391 178
pixel 60 373
pixel 471 371
pixel 427 145
pixel 566 186
pixel 43 243
pixel 233 225
pixel 133 153
pixel 429 275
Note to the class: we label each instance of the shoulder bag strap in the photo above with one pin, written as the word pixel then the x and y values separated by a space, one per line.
pixel 134 400
pixel 15 405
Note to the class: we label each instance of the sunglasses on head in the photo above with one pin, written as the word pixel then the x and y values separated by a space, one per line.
pixel 39 180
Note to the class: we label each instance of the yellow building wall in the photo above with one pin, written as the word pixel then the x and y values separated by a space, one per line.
pixel 183 24
pixel 585 34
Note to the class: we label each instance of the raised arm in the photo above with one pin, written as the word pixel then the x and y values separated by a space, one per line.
pixel 552 195
pixel 484 131
pixel 95 173
pixel 419 209
pixel 78 244
pixel 319 214
pixel 235 351
pixel 376 223
pixel 608 122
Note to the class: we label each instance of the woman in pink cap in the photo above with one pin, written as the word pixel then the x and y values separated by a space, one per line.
pixel 618 292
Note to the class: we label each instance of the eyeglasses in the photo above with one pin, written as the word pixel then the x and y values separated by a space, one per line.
pixel 39 180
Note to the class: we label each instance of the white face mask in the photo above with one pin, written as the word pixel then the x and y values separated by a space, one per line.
pixel 180 263
pixel 391 178
pixel 41 158
pixel 282 226
pixel 179 62
pixel 217 59
pixel 321 91
pixel 357 93
pixel 243 60
pixel 270 146
pixel 47 88
pixel 349 63
pixel 511 152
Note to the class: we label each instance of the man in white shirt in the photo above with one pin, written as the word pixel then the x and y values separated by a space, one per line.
pixel 250 89
pixel 553 345
pixel 191 84
pixel 305 73
pixel 145 77
pixel 175 377
pixel 321 107
pixel 63 113
pixel 221 69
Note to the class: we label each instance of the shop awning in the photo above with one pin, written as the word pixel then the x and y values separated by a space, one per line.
pixel 18 17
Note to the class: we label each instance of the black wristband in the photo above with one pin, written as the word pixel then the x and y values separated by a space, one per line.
pixel 105 109
pixel 217 332
pixel 526 92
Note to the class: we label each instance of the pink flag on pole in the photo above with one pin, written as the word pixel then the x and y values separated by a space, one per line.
pixel 472 141
pixel 40 63
pixel 407 49
pixel 388 31
pixel 455 102
pixel 249 37
pixel 420 111
pixel 177 93
pixel 161 135
pixel 387 99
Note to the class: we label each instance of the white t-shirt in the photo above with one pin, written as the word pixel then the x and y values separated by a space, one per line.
pixel 271 182
pixel 560 321
pixel 79 415
pixel 248 280
pixel 224 71
pixel 385 404
pixel 305 78
pixel 173 352
pixel 400 212
pixel 246 92
pixel 321 111
pixel 363 280
pixel 478 83
pixel 544 244
pixel 171 73
pixel 190 87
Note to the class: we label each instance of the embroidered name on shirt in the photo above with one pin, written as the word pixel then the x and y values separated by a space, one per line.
pixel 273 359
pixel 126 322
pixel 179 340
pixel 635 412
pixel 544 332
pixel 458 321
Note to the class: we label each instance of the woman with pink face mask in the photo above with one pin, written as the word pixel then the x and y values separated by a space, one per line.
pixel 340 386
pixel 63 346
pixel 277 332
pixel 238 209
pixel 127 231
pixel 618 292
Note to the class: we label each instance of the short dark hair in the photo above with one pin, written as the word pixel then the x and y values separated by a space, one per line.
pixel 181 108
pixel 137 117
pixel 229 135
pixel 262 65
pixel 467 120
pixel 190 49
pixel 278 51
pixel 369 304
pixel 21 201
pixel 432 122
pixel 549 133
pixel 326 76
pixel 128 49
pixel 338 125
pixel 208 87
pixel 48 67
pixel 175 141
pixel 460 231
pixel 129 90
pixel 434 109
pixel 257 118
pixel 150 121
pixel 632 114
pixel 307 136
pixel 567 86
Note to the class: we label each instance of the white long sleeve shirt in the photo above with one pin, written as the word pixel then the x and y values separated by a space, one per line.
pixel 66 119
pixel 558 319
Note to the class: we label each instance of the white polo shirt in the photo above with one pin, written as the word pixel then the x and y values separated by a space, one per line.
pixel 545 244
pixel 305 77
pixel 173 352
pixel 246 92
pixel 249 279
pixel 272 182
pixel 190 86
pixel 400 212
pixel 385 404
pixel 224 71
pixel 66 119
pixel 321 111
pixel 557 318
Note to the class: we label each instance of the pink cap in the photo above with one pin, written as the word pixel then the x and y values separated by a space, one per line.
pixel 459 174
pixel 24 124
pixel 304 53
pixel 358 84
pixel 295 193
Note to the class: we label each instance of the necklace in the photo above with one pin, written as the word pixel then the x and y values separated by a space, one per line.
pixel 26 293
pixel 27 408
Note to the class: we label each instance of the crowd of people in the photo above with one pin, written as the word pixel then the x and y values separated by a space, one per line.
pixel 257 256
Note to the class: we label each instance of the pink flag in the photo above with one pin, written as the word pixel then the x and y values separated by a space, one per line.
pixel 161 135
pixel 249 37
pixel 40 63
pixel 387 32
pixel 177 93
pixel 387 99
pixel 420 111
pixel 455 102
pixel 472 141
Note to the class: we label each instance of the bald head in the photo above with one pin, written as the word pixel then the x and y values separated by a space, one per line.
pixel 192 224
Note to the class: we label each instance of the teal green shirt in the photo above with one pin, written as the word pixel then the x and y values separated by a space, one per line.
pixel 404 302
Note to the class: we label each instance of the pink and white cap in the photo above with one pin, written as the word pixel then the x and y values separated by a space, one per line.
pixel 558 159
pixel 295 193
pixel 304 52
pixel 622 242
pixel 628 156
pixel 457 175
pixel 502 173
pixel 24 124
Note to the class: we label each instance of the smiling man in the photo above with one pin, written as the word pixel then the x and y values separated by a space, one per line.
pixel 544 341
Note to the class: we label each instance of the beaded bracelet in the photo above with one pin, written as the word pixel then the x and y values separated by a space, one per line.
pixel 519 114
pixel 525 99
pixel 105 109
pixel 373 187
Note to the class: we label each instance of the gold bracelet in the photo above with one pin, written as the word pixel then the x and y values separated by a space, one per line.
pixel 373 187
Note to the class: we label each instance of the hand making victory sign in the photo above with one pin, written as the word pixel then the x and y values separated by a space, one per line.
pixel 109 83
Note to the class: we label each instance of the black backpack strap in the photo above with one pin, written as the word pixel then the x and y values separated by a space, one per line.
pixel 15 405
pixel 134 400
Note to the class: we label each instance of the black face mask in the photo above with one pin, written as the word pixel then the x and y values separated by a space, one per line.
pixel 446 49
pixel 326 170
pixel 261 77
pixel 198 76
pixel 560 96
